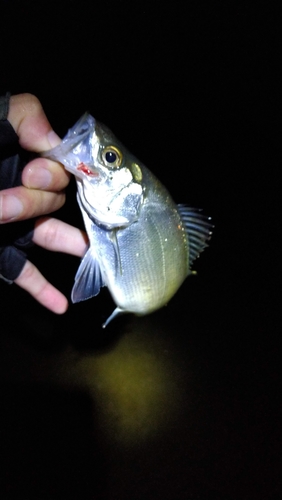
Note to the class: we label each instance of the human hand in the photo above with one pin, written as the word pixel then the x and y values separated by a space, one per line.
pixel 42 192
pixel 43 180
pixel 57 236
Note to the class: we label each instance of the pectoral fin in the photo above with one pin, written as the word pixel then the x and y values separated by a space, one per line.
pixel 114 240
pixel 88 279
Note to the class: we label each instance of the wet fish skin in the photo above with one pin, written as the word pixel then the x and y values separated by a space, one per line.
pixel 142 245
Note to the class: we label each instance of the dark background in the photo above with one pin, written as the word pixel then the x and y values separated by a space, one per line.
pixel 182 404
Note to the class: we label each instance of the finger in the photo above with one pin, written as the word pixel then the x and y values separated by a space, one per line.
pixel 28 119
pixel 21 203
pixel 38 287
pixel 58 236
pixel 45 174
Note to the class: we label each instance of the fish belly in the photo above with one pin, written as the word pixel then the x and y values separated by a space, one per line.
pixel 145 263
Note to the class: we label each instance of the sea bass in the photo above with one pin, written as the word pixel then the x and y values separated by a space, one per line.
pixel 141 244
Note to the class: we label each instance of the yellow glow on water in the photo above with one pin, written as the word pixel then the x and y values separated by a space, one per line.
pixel 135 386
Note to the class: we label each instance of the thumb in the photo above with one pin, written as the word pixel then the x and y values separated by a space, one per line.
pixel 29 121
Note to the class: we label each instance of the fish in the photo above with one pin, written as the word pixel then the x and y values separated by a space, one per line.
pixel 142 245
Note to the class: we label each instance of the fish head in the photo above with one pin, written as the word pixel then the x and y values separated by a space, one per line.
pixel 109 178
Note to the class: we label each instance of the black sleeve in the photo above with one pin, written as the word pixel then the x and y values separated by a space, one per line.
pixel 15 237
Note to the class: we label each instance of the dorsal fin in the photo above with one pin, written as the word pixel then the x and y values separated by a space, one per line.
pixel 199 230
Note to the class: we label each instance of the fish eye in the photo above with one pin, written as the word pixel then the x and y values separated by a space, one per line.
pixel 112 157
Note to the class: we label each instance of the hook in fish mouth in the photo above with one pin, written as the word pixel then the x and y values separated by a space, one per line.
pixel 82 167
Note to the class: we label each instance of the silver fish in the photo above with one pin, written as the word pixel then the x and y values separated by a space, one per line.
pixel 142 245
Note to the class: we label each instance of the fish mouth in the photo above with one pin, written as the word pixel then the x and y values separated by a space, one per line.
pixel 83 170
pixel 75 151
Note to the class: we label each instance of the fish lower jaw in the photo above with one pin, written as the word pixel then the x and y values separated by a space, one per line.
pixel 109 220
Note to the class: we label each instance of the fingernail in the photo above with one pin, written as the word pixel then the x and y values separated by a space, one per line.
pixel 10 207
pixel 38 178
pixel 53 139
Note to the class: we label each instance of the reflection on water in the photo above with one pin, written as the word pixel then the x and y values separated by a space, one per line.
pixel 135 385
pixel 156 407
